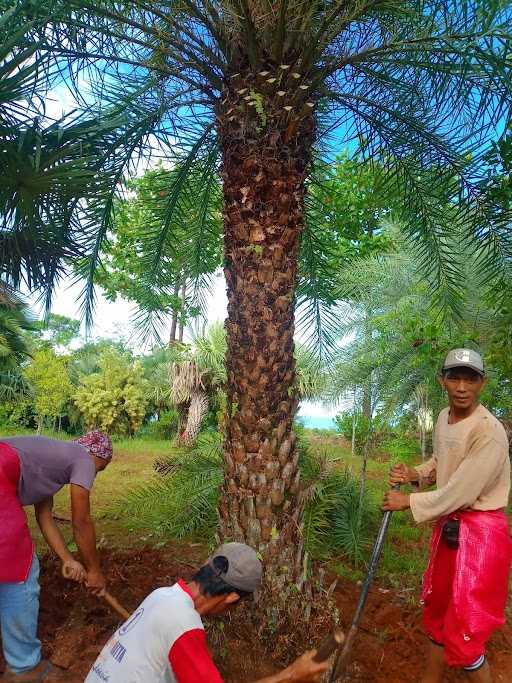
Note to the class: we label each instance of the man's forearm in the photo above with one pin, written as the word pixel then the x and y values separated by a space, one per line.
pixel 53 536
pixel 85 538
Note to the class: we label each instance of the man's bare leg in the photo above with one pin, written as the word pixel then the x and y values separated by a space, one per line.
pixel 483 675
pixel 435 665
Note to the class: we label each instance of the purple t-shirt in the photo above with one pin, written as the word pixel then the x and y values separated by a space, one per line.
pixel 48 464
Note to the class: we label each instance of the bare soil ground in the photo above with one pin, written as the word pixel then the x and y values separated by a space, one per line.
pixel 390 646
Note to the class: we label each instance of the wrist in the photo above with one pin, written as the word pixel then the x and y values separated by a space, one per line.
pixel 94 569
pixel 66 557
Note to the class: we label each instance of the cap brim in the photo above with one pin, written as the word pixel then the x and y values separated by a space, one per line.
pixel 452 366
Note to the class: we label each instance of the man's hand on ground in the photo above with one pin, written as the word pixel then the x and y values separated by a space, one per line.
pixel 305 669
pixel 74 570
pixel 394 500
pixel 402 474
pixel 96 582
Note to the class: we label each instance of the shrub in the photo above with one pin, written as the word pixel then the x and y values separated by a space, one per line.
pixel 164 428
pixel 344 425
pixel 374 431
pixel 184 501
pixel 114 398
pixel 334 520
pixel 49 376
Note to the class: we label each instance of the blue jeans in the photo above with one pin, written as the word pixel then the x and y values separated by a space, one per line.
pixel 19 610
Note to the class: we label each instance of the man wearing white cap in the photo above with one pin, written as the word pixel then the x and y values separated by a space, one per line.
pixel 164 639
pixel 465 586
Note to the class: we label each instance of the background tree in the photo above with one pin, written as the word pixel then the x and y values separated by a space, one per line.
pixel 15 324
pixel 51 201
pixel 409 338
pixel 113 398
pixel 176 292
pixel 48 374
pixel 56 331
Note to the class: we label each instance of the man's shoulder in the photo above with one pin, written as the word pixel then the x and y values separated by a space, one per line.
pixel 487 424
pixel 173 606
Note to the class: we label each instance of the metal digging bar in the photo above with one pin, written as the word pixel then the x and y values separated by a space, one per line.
pixel 342 656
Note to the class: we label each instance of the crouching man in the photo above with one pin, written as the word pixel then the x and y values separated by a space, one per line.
pixel 466 583
pixel 164 639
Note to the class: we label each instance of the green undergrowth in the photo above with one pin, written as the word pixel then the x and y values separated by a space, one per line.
pixel 183 502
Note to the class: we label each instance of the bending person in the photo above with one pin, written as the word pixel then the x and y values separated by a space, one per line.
pixel 164 639
pixel 32 470
pixel 465 586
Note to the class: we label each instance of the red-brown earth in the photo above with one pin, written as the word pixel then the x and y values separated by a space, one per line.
pixel 390 646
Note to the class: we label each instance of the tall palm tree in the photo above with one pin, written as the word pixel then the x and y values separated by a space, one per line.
pixel 255 88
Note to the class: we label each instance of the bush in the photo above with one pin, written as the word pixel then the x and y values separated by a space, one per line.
pixel 402 448
pixel 344 425
pixel 374 432
pixel 184 501
pixel 334 521
pixel 164 428
pixel 114 398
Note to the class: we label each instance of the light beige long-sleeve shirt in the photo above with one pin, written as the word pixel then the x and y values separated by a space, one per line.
pixel 470 466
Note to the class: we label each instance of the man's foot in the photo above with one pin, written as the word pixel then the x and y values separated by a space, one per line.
pixel 435 664
pixel 483 675
pixel 38 674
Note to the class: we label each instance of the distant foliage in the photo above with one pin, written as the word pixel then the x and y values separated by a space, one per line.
pixel 345 426
pixel 113 398
pixel 49 376
pixel 163 428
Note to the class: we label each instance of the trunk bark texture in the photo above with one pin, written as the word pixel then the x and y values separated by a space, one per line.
pixel 196 413
pixel 174 321
pixel 266 130
pixel 182 312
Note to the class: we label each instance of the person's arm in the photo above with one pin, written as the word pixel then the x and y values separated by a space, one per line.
pixel 51 532
pixel 479 468
pixel 422 475
pixel 85 537
pixel 303 670
pixel 191 662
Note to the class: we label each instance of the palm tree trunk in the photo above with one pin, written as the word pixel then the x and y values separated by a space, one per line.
pixel 182 312
pixel 263 174
pixel 196 413
pixel 174 321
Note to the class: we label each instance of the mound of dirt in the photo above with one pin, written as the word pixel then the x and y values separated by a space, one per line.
pixel 390 647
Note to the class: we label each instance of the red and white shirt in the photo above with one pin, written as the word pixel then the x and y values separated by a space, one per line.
pixel 162 642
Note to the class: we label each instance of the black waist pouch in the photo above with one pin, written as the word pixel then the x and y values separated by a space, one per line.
pixel 451 533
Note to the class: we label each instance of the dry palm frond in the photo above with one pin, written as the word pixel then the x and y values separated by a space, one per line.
pixel 185 378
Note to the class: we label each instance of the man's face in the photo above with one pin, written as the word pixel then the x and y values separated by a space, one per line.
pixel 221 604
pixel 100 463
pixel 463 386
